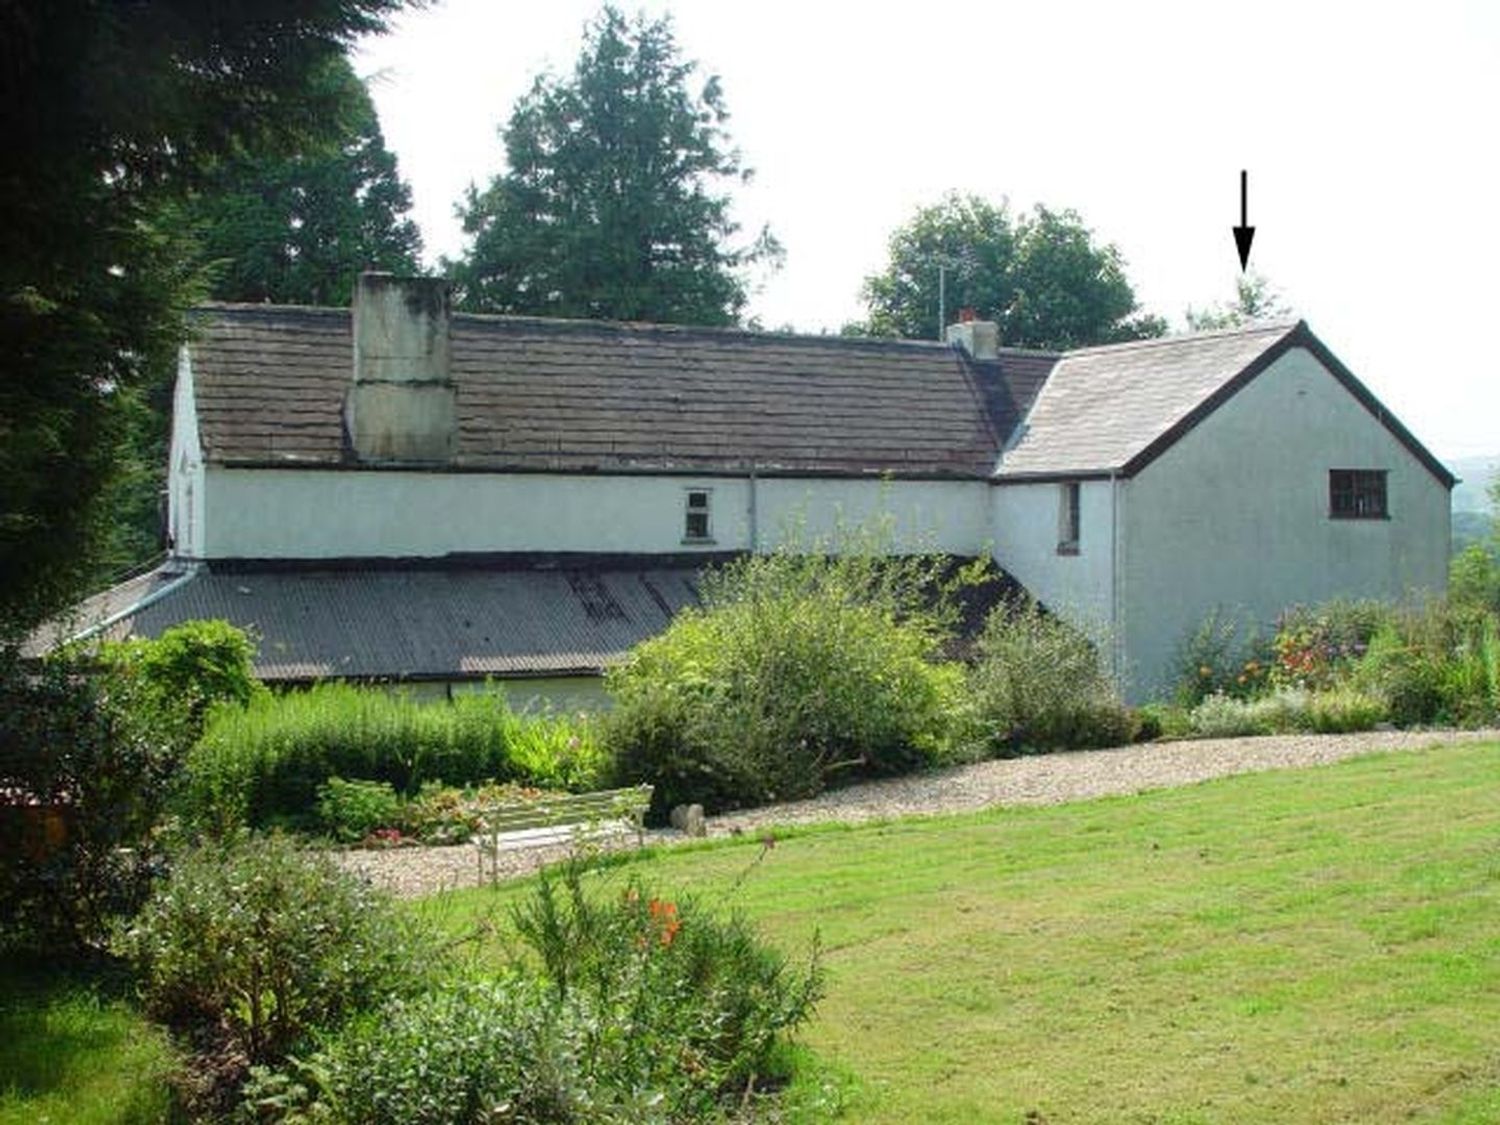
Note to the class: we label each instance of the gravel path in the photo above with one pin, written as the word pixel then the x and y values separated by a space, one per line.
pixel 1048 779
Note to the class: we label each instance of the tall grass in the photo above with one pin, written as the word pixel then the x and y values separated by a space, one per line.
pixel 264 763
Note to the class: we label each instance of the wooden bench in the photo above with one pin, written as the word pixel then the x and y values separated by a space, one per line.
pixel 562 818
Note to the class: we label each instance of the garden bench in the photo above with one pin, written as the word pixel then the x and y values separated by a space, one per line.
pixel 561 818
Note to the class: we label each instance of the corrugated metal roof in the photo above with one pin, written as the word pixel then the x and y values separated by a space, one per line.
pixel 448 622
pixel 585 395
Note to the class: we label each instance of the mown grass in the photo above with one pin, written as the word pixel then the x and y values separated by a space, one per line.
pixel 74 1052
pixel 1312 945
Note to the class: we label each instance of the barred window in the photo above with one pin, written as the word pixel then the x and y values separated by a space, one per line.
pixel 696 526
pixel 1357 494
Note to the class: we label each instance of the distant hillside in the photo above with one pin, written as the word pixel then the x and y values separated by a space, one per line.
pixel 1471 494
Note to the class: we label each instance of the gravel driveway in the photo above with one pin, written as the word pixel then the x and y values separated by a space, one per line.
pixel 1047 779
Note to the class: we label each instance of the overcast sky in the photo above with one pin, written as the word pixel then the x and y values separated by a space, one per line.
pixel 1371 133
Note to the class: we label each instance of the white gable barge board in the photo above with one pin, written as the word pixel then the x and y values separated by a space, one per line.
pixel 1234 514
pixel 321 514
pixel 185 514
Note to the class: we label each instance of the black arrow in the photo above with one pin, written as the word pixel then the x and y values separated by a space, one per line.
pixel 1243 234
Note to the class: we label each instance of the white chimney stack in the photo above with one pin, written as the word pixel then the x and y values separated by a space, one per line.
pixel 980 338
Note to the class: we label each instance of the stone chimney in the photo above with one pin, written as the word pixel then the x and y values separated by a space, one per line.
pixel 980 338
pixel 403 404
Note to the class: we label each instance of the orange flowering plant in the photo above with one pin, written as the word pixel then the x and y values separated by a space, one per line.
pixel 689 1000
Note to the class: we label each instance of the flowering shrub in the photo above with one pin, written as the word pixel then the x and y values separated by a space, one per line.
pixel 690 1003
pixel 1225 655
pixel 1315 648
pixel 647 1009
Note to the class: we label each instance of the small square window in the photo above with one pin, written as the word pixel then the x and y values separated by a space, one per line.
pixel 696 527
pixel 1067 518
pixel 1357 494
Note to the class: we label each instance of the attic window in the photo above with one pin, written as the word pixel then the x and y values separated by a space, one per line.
pixel 696 527
pixel 1357 494
pixel 1067 518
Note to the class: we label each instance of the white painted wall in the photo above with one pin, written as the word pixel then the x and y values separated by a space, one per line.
pixel 1235 515
pixel 946 516
pixel 185 473
pixel 1026 526
pixel 304 513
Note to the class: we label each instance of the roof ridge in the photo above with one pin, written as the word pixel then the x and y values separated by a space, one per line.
pixel 267 307
pixel 586 324
pixel 1264 327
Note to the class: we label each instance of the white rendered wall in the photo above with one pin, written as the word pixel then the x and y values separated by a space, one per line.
pixel 1235 515
pixel 185 521
pixel 308 514
pixel 944 516
pixel 1026 526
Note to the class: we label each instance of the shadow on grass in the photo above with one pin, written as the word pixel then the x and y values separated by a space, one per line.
pixel 73 1047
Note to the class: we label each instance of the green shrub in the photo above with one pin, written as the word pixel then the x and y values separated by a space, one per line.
pixel 1222 716
pixel 1039 684
pixel 86 761
pixel 1435 662
pixel 350 810
pixel 268 942
pixel 1225 655
pixel 799 670
pixel 195 665
pixel 266 763
pixel 471 1052
pixel 1474 578
pixel 1165 721
pixel 1344 709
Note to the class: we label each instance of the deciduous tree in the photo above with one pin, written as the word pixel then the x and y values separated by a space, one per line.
pixel 1254 300
pixel 1040 276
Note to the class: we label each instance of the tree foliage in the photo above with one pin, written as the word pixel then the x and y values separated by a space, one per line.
pixel 297 227
pixel 1255 299
pixel 109 110
pixel 1040 276
pixel 612 206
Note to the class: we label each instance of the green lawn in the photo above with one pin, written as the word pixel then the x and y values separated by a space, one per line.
pixel 74 1053
pixel 1313 945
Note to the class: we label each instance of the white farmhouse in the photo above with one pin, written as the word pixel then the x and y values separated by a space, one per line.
pixel 404 493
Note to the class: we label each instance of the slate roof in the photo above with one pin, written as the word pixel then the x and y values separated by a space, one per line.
pixel 538 394
pixel 410 621
pixel 1103 406
pixel 1113 409
pixel 592 396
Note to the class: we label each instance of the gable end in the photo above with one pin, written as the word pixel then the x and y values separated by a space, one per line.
pixel 1299 337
